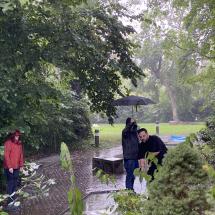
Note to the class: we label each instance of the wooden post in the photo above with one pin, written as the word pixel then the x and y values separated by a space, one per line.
pixel 96 137
pixel 157 128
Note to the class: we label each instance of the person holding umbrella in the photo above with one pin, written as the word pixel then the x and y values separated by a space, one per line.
pixel 130 146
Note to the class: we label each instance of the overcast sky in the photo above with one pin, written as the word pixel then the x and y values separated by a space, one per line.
pixel 134 8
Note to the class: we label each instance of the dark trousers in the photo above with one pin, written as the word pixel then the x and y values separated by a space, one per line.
pixel 12 180
pixel 130 166
pixel 152 170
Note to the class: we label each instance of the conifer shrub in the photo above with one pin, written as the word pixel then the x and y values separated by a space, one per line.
pixel 180 186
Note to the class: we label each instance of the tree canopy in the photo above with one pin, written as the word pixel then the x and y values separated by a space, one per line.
pixel 46 45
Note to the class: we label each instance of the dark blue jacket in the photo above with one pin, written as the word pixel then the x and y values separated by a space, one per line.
pixel 130 142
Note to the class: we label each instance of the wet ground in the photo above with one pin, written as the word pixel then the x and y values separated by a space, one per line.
pixel 90 186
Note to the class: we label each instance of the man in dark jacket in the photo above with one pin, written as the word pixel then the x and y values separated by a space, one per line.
pixel 130 144
pixel 153 144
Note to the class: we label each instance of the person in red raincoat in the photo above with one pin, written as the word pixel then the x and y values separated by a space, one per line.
pixel 13 162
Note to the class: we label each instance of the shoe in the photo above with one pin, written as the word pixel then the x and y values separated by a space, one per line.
pixel 11 208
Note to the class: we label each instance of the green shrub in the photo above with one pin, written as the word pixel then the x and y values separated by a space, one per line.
pixel 180 186
pixel 74 194
pixel 129 203
pixel 68 122
pixel 2 178
pixel 204 141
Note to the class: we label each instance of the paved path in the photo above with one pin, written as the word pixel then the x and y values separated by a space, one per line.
pixel 56 202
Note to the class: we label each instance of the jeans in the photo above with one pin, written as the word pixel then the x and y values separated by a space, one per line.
pixel 12 180
pixel 130 166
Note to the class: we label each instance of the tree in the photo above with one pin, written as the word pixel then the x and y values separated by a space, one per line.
pixel 47 44
pixel 197 35
pixel 165 67
pixel 167 51
pixel 199 21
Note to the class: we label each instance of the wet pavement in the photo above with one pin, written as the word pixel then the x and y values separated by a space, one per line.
pixel 93 190
pixel 92 209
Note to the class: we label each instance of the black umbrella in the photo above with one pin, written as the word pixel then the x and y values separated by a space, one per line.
pixel 132 101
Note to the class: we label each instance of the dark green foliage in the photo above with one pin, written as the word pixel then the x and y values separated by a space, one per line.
pixel 75 201
pixel 2 178
pixel 207 135
pixel 105 178
pixel 129 203
pixel 204 140
pixel 74 195
pixel 180 185
pixel 45 45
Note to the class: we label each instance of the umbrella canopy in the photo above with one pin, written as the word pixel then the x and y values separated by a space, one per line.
pixel 132 101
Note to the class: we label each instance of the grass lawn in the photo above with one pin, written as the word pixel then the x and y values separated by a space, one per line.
pixel 112 134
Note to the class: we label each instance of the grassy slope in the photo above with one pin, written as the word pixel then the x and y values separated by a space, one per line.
pixel 110 133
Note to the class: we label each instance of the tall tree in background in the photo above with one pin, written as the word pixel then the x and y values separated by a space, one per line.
pixel 200 24
pixel 166 61
pixel 197 37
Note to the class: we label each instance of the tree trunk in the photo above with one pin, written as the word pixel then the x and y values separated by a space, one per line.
pixel 173 103
pixel 164 81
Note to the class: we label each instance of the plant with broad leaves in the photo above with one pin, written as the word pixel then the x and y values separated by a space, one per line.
pixel 3 213
pixel 105 178
pixel 74 194
pixel 129 203
pixel 32 185
pixel 150 158
pixel 211 173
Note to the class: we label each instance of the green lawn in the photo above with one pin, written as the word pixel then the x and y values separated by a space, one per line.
pixel 112 134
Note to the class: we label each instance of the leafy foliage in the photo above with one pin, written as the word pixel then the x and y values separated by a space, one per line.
pixel 211 173
pixel 142 174
pixel 2 179
pixel 167 66
pixel 174 39
pixel 65 158
pixel 180 185
pixel 204 141
pixel 74 194
pixel 105 178
pixel 45 47
pixel 129 203
pixel 33 185
pixel 75 201
pixel 200 23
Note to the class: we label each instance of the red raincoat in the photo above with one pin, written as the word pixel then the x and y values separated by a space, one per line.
pixel 13 155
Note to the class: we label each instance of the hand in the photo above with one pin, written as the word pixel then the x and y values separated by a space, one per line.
pixel 21 169
pixel 11 170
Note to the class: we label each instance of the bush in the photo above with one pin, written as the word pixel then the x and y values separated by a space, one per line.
pixel 129 203
pixel 207 135
pixel 67 121
pixel 179 187
pixel 2 179
pixel 204 140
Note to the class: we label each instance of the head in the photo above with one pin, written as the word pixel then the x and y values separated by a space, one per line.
pixel 129 121
pixel 143 135
pixel 15 136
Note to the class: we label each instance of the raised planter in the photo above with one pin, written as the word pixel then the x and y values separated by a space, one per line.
pixel 109 165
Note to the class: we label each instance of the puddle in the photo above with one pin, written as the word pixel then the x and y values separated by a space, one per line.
pixel 99 204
